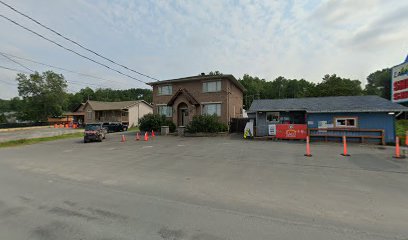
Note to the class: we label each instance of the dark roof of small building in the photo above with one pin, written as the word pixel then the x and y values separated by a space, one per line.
pixel 201 77
pixel 328 104
pixel 99 106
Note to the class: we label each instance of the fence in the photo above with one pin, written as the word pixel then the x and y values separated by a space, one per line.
pixel 335 134
pixel 237 125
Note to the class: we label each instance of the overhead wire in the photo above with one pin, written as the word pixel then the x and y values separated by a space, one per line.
pixel 69 81
pixel 59 68
pixel 15 62
pixel 70 50
pixel 76 43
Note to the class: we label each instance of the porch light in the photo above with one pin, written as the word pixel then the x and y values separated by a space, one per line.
pixel 391 113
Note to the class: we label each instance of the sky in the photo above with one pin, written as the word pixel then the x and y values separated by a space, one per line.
pixel 170 39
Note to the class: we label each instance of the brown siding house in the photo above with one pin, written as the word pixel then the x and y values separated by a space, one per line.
pixel 181 99
pixel 128 112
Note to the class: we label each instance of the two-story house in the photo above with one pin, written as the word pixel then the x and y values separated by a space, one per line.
pixel 182 98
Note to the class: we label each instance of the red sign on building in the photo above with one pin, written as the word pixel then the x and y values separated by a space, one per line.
pixel 291 131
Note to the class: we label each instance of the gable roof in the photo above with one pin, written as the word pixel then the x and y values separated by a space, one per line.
pixel 98 105
pixel 188 96
pixel 328 104
pixel 201 77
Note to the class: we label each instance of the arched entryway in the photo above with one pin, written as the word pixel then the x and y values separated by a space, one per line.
pixel 182 114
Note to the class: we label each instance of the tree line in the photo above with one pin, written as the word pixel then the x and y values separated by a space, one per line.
pixel 378 83
pixel 43 95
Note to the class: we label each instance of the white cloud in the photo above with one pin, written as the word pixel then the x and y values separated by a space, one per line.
pixel 167 39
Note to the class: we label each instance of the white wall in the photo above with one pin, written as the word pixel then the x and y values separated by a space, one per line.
pixel 138 111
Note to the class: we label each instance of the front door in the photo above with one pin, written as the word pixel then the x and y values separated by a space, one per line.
pixel 183 116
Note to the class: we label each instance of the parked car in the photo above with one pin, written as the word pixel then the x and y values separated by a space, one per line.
pixel 115 126
pixel 106 126
pixel 94 132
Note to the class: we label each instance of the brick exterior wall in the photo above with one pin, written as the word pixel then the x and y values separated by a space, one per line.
pixel 230 97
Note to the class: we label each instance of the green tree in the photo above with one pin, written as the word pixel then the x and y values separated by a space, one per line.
pixel 44 95
pixel 333 85
pixel 215 73
pixel 379 83
pixel 3 118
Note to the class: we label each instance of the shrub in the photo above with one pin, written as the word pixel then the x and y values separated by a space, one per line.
pixel 207 124
pixel 154 122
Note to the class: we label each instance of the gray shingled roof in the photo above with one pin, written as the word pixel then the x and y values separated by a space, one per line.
pixel 98 106
pixel 328 104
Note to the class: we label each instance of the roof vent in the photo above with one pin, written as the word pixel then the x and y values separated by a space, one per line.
pixel 202 74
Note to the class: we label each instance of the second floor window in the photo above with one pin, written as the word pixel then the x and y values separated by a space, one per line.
pixel 165 110
pixel 212 86
pixel 165 90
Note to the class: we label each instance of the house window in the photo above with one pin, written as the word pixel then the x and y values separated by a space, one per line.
pixel 165 90
pixel 211 109
pixel 212 86
pixel 89 114
pixel 165 110
pixel 272 116
pixel 345 122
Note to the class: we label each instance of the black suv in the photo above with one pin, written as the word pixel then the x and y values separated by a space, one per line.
pixel 94 132
pixel 115 127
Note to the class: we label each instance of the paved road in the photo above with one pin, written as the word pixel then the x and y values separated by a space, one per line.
pixel 35 133
pixel 200 188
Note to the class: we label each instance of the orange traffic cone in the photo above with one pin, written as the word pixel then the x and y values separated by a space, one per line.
pixel 123 138
pixel 308 154
pixel 345 146
pixel 397 149
pixel 153 135
pixel 137 136
pixel 146 137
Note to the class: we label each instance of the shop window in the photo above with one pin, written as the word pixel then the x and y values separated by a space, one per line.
pixel 345 122
pixel 165 90
pixel 272 116
pixel 165 110
pixel 212 86
pixel 211 109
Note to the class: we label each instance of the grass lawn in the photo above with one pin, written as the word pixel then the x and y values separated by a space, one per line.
pixel 20 142
pixel 133 129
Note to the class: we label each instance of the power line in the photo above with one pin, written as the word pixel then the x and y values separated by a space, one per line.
pixel 76 43
pixel 70 50
pixel 16 62
pixel 60 68
pixel 69 81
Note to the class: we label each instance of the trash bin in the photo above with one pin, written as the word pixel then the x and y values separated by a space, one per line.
pixel 164 130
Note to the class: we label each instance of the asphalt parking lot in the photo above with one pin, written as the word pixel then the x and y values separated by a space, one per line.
pixel 201 188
